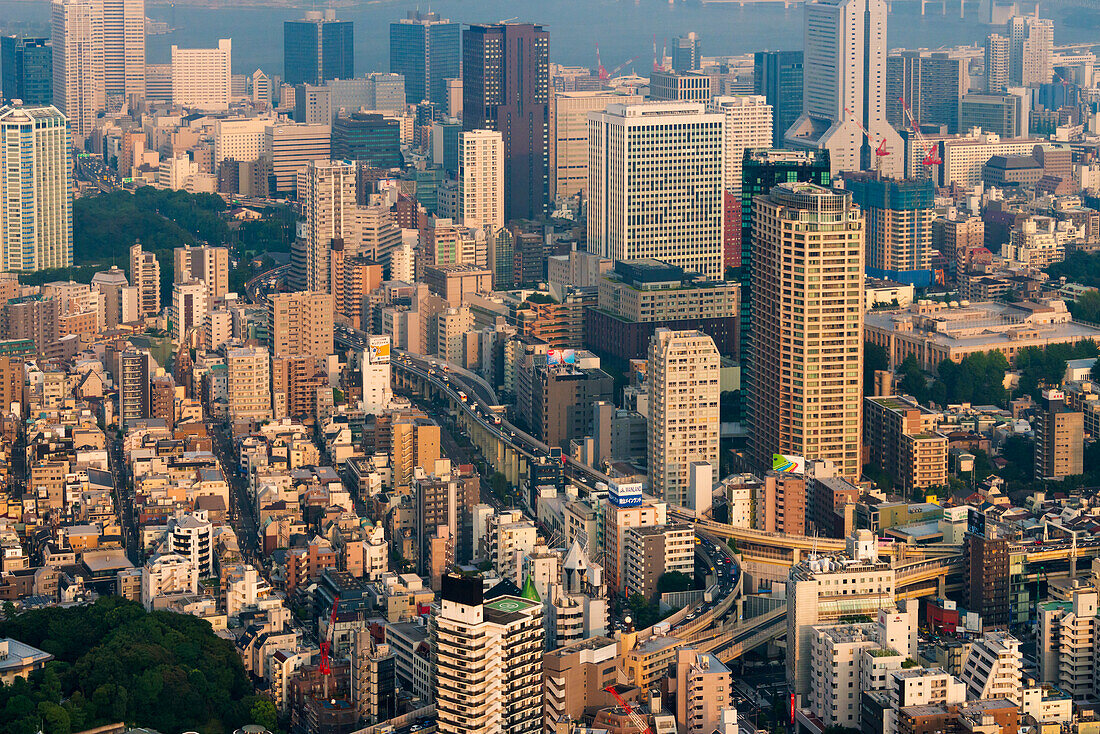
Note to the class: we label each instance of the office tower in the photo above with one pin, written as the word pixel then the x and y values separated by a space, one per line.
pixel 930 83
pixel 124 47
pixel 424 48
pixel 683 417
pixel 996 63
pixel 1059 439
pixel 313 105
pixel 318 48
pixel 675 86
pixel 1006 115
pixel 486 655
pixel 36 229
pixel 189 308
pixel 899 218
pixel 158 82
pixel 569 138
pixel 79 86
pixel 206 263
pixel 301 323
pixel 145 276
pixel 290 146
pixel 778 76
pixel 844 83
pixel 26 70
pixel 655 184
pixel 686 55
pixel 248 372
pixel 201 76
pixel 368 138
pixel 481 179
pixel 807 329
pixel 748 124
pixel 506 87
pixel 133 386
pixel 761 170
pixel 326 190
pixel 1031 50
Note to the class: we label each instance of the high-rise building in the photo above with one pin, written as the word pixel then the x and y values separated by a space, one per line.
pixel 189 308
pixel 248 371
pixel 291 146
pixel 486 655
pixel 683 412
pixel 1031 50
pixel 844 86
pixel 301 323
pixel 206 263
pixel 686 54
pixel 1006 115
pixel 930 83
pixel 899 226
pixel 318 48
pixel 327 191
pixel 111 284
pixel 124 47
pixel 506 87
pixel 425 49
pixel 201 76
pixel 703 690
pixel 481 179
pixel 313 104
pixel 807 329
pixel 145 276
pixel 369 138
pixel 778 76
pixel 373 678
pixel 36 229
pixel 675 86
pixel 79 86
pixel 748 124
pixel 987 581
pixel 569 138
pixel 1059 439
pixel 996 63
pixel 655 184
pixel 133 386
pixel 904 442
pixel 26 70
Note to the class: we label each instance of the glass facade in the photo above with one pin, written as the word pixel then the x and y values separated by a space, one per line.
pixel 778 76
pixel 368 138
pixel 26 70
pixel 315 51
pixel 425 49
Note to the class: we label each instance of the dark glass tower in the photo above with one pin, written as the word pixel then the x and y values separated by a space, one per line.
pixel 318 48
pixel 424 48
pixel 778 76
pixel 26 70
pixel 506 87
pixel 369 138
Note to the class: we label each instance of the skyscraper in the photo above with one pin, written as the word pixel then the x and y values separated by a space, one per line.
pixel 124 47
pixel 145 277
pixel 899 226
pixel 424 48
pixel 201 76
pixel 807 330
pixel 996 63
pixel 686 54
pixel 327 192
pixel 655 184
pixel 930 83
pixel 26 69
pixel 318 48
pixel 1031 50
pixel 683 418
pixel 36 228
pixel 79 86
pixel 506 87
pixel 778 76
pixel 844 83
pixel 481 179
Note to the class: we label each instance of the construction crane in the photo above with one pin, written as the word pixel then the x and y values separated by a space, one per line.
pixel 880 149
pixel 656 66
pixel 599 65
pixel 931 155
pixel 619 68
pixel 326 647
pixel 635 719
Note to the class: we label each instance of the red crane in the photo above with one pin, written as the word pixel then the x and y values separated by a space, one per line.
pixel 635 719
pixel 326 646
pixel 880 149
pixel 931 155
pixel 656 66
pixel 599 65
pixel 619 68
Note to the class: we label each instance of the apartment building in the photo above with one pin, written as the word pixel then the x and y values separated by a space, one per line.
pixel 703 691
pixel 904 441
pixel 249 383
pixel 301 323
pixel 654 551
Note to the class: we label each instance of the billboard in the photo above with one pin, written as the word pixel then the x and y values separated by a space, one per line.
pixel 782 462
pixel 561 356
pixel 378 350
pixel 975 522
pixel 625 495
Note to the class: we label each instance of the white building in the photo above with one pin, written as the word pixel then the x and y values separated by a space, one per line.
pixel 481 179
pixel 992 668
pixel 167 575
pixel 36 229
pixel 844 85
pixel 655 184
pixel 201 76
pixel 327 191
pixel 191 535
pixel 249 383
pixel 240 139
pixel 124 47
pixel 175 172
pixel 1031 50
pixel 510 537
pixel 683 425
pixel 79 84
pixel 290 146
pixel 377 382
pixel 190 305
pixel 1066 644
pixel 748 125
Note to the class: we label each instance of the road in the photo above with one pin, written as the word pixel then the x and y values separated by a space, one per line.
pixel 241 506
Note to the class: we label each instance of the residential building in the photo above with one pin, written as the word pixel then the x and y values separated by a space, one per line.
pixel 190 305
pixel 569 138
pixel 905 442
pixel 290 147
pixel 562 398
pixel 205 263
pixel 898 226
pixel 1031 50
pixel 249 383
pixel 424 48
pixel 996 63
pixel 803 232
pixel 780 503
pixel 654 551
pixel 318 48
pixel 1064 645
pixel 481 179
pixel 201 76
pixel 327 191
pixel 986 587
pixel 191 535
pixel 748 125
pixel 145 277
pixel 680 146
pixel 626 509
pixel 301 323
pixel 133 386
pixel 1059 439
pixel 454 283
pixel 777 75
pixel 703 691
pixel 993 668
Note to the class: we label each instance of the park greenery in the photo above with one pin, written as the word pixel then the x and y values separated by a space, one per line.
pixel 115 662
pixel 1077 267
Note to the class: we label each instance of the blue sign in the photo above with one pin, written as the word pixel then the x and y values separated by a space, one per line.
pixel 625 495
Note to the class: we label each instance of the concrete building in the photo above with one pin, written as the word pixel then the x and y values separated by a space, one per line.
pixel 561 400
pixel 996 63
pixel 249 377
pixel 931 83
pixel 165 576
pixel 683 426
pixel 1065 648
pixel 905 442
pixel 79 76
pixel 1004 114
pixel 1031 50
pixel 626 509
pixel 111 284
pixel 201 76
pixel 666 85
pixel 779 503
pixel 575 676
pixel 993 668
pixel 377 383
pixel 481 179
pixel 133 386
pixel 654 551
pixel 205 263
pixel 327 191
pixel 681 148
pixel 569 138
pixel 290 146
pixel 190 305
pixel 454 283
pixel 191 535
pixel 424 48
pixel 748 125
pixel 703 691
pixel 36 230
pixel 240 139
pixel 301 323
pixel 1059 439
pixel 844 86
pixel 790 225
pixel 898 227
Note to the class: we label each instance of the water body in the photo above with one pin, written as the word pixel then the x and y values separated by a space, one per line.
pixel 622 28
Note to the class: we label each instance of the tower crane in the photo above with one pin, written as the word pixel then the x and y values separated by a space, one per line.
pixel 635 719
pixel 931 155
pixel 619 68
pixel 880 149
pixel 325 668
pixel 656 66
pixel 599 65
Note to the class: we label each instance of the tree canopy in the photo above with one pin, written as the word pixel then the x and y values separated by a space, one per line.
pixel 1078 267
pixel 116 662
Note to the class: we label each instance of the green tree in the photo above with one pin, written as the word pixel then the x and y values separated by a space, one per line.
pixel 874 358
pixel 263 713
pixel 673 581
